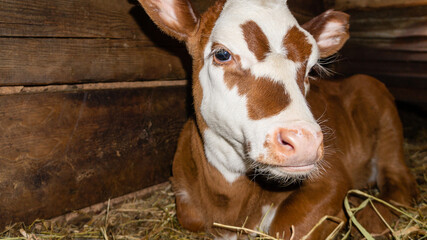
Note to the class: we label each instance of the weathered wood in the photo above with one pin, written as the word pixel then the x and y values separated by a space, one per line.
pixel 67 150
pixel 305 10
pixel 408 66
pixel 401 67
pixel 358 4
pixel 413 95
pixel 389 22
pixel 29 61
pixel 82 19
pixel 382 61
pixel 9 90
pixel 75 19
pixel 386 53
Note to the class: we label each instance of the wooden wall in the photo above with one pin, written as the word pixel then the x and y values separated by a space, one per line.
pixel 92 99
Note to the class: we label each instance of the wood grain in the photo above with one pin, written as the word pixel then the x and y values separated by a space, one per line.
pixel 35 61
pixel 120 19
pixel 75 19
pixel 68 150
pixel 389 22
pixel 360 4
pixel 401 65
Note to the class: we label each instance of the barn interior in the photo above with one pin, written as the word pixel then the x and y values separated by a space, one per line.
pixel 93 97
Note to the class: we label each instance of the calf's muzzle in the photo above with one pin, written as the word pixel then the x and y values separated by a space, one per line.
pixel 294 149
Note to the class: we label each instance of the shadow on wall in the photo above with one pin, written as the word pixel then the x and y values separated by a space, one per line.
pixel 163 41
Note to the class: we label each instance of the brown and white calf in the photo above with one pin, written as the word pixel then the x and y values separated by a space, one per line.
pixel 255 155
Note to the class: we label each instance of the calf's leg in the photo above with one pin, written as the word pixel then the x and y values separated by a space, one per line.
pixel 315 199
pixel 394 180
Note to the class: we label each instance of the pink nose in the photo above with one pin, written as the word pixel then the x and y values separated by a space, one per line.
pixel 297 147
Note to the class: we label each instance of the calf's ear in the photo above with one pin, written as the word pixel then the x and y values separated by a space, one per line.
pixel 176 18
pixel 330 30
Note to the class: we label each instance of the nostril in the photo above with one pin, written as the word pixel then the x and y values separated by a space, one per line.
pixel 284 141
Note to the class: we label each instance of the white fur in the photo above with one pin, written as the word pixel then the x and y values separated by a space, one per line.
pixel 183 195
pixel 268 213
pixel 230 236
pixel 329 37
pixel 374 171
pixel 224 110
pixel 167 12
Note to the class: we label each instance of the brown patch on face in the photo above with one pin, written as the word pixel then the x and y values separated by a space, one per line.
pixel 299 50
pixel 295 42
pixel 256 40
pixel 196 45
pixel 265 97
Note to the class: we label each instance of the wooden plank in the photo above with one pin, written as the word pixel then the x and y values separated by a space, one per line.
pixel 353 50
pixel 386 68
pixel 82 19
pixel 358 4
pixel 78 18
pixel 416 44
pixel 305 10
pixel 412 95
pixel 68 150
pixel 389 22
pixel 35 61
pixel 406 80
pixel 89 86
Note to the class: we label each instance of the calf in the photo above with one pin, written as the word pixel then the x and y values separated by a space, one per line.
pixel 255 154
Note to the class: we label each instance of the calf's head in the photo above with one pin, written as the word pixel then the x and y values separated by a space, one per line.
pixel 251 61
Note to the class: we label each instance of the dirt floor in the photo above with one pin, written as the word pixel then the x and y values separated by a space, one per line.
pixel 153 216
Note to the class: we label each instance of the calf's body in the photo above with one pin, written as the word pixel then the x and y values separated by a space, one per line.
pixel 268 149
pixel 365 148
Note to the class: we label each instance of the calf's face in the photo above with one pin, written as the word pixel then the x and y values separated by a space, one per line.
pixel 251 65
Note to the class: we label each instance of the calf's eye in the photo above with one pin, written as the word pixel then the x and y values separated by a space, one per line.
pixel 222 56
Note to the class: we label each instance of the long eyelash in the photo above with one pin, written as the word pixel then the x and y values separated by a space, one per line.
pixel 212 53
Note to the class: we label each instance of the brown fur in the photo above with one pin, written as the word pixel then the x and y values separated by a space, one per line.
pixel 298 48
pixel 367 126
pixel 256 89
pixel 195 46
pixel 256 40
